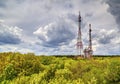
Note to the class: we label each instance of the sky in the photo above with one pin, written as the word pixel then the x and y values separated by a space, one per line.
pixel 49 27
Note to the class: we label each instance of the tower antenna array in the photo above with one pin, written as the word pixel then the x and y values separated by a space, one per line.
pixel 90 42
pixel 79 38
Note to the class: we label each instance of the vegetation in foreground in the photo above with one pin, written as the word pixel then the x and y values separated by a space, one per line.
pixel 17 68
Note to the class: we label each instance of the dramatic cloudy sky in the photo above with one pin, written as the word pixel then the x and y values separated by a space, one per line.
pixel 50 26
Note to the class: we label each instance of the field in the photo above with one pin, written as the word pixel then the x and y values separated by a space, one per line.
pixel 17 68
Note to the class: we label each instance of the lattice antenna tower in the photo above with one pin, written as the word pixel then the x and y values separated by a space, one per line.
pixel 79 38
pixel 90 42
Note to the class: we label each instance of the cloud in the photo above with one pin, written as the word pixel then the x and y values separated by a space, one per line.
pixel 9 35
pixel 114 9
pixel 1 21
pixel 104 36
pixel 56 33
pixel 54 23
pixel 2 4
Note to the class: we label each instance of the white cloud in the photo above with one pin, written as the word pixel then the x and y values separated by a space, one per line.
pixel 1 21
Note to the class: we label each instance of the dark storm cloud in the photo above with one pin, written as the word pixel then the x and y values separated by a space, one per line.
pixel 9 35
pixel 2 3
pixel 114 9
pixel 9 39
pixel 60 36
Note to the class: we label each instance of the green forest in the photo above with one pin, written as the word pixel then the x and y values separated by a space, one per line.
pixel 17 68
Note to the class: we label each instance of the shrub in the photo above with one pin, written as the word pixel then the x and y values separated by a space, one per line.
pixel 9 72
pixel 65 73
pixel 113 74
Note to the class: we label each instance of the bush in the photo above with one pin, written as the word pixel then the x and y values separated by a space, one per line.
pixel 9 72
pixel 65 73
pixel 17 68
pixel 113 74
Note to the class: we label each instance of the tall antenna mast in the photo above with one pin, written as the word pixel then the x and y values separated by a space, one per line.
pixel 79 38
pixel 90 41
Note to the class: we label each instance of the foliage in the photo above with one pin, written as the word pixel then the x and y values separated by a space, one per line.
pixel 113 74
pixel 17 68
